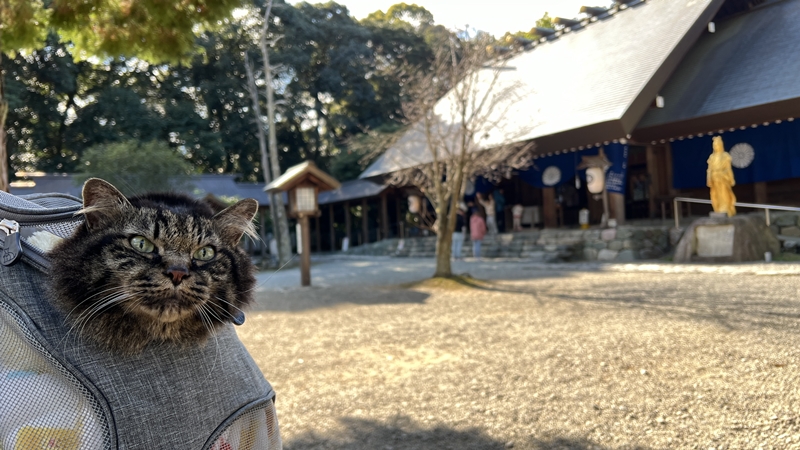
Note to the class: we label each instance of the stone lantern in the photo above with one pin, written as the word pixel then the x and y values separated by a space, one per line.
pixel 303 183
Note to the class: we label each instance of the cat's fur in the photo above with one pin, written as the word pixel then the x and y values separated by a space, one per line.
pixel 124 299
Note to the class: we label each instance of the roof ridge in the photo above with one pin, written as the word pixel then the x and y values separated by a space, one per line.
pixel 582 23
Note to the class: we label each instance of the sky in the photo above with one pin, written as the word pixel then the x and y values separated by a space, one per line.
pixel 493 16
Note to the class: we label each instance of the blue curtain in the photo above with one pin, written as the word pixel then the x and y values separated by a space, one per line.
pixel 776 155
pixel 566 164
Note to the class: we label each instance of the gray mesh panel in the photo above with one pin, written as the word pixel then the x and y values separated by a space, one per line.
pixel 43 405
pixel 62 229
pixel 256 429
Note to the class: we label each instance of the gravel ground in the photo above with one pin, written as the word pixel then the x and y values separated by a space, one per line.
pixel 653 356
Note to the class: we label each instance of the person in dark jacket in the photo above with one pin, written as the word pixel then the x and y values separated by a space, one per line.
pixel 458 233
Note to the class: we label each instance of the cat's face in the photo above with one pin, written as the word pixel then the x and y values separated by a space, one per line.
pixel 153 268
pixel 173 265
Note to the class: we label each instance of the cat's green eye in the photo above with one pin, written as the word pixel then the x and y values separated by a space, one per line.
pixel 142 244
pixel 204 254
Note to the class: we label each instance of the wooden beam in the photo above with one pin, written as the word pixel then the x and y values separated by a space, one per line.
pixel 365 220
pixel 384 216
pixel 671 191
pixel 549 213
pixel 331 223
pixel 617 206
pixel 761 192
pixel 305 256
pixel 400 219
pixel 318 233
pixel 348 224
pixel 655 180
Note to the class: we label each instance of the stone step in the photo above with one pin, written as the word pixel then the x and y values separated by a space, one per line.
pixel 619 244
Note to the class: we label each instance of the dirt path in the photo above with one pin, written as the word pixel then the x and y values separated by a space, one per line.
pixel 554 357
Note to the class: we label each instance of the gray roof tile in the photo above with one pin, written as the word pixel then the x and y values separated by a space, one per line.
pixel 750 65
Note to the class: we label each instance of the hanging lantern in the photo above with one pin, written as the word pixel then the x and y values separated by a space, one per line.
pixel 595 179
pixel 414 203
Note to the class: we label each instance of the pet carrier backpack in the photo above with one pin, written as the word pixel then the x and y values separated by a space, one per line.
pixel 58 392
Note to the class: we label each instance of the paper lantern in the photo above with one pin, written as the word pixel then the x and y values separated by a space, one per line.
pixel 595 180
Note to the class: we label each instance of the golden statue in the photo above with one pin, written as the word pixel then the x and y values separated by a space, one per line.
pixel 719 178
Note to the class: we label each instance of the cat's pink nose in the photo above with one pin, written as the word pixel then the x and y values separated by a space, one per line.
pixel 177 274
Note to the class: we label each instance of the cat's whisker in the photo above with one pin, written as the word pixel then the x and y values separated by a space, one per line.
pixel 109 301
pixel 104 291
pixel 214 314
pixel 97 309
pixel 201 309
pixel 223 310
pixel 81 321
pixel 229 303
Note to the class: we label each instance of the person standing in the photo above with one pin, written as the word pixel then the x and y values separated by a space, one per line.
pixel 516 212
pixel 477 230
pixel 489 212
pixel 500 209
pixel 458 234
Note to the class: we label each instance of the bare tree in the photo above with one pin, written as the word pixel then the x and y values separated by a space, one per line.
pixel 252 89
pixel 461 112
pixel 280 224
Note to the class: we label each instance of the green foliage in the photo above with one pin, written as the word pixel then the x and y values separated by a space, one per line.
pixel 361 151
pixel 23 24
pixel 335 78
pixel 545 22
pixel 153 30
pixel 135 167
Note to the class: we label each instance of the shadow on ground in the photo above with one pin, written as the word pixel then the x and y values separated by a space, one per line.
pixel 732 302
pixel 303 299
pixel 402 434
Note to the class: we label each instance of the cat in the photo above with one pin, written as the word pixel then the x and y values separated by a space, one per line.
pixel 152 269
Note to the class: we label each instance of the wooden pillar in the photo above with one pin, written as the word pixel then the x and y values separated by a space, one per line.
pixel 655 181
pixel 318 233
pixel 761 192
pixel 305 257
pixel 332 224
pixel 348 225
pixel 400 219
pixel 617 206
pixel 549 213
pixel 364 221
pixel 668 163
pixel 384 216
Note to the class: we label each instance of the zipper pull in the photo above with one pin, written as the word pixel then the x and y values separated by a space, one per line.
pixel 10 246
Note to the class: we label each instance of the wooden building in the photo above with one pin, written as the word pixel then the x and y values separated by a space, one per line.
pixel 650 82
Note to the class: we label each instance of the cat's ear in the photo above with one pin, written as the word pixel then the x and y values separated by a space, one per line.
pixel 237 220
pixel 101 202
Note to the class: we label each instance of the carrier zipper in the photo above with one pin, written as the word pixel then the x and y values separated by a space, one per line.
pixel 13 247
pixel 10 245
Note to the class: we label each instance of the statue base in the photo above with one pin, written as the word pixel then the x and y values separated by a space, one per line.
pixel 719 239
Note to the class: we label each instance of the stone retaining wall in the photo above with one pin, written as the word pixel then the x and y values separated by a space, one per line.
pixel 624 243
pixel 787 226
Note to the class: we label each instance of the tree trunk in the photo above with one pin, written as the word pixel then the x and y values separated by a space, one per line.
pixel 3 113
pixel 284 242
pixel 444 245
pixel 262 145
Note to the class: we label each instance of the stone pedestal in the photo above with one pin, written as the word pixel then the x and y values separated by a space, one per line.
pixel 719 238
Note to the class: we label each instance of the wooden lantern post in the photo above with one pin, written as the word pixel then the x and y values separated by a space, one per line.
pixel 303 184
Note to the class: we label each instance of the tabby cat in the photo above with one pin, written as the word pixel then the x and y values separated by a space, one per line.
pixel 153 269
